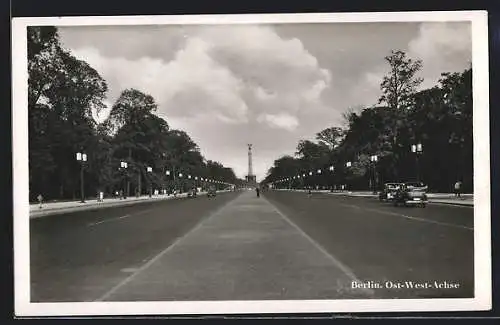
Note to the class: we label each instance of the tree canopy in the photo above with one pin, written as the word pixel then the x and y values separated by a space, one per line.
pixel 438 118
pixel 64 93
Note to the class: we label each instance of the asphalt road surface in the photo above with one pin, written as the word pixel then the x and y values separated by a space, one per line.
pixel 236 246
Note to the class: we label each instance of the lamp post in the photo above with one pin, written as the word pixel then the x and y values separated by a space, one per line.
pixel 167 172
pixel 181 187
pixel 319 179
pixel 82 158
pixel 331 169
pixel 374 159
pixel 417 150
pixel 346 175
pixel 348 165
pixel 123 167
pixel 150 171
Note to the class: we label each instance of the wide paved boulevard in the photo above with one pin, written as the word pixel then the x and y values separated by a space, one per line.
pixel 283 245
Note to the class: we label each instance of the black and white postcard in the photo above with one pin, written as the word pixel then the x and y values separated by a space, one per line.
pixel 240 164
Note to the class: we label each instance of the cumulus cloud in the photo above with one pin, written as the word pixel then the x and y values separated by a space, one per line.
pixel 281 121
pixel 217 75
pixel 229 85
pixel 219 71
pixel 131 42
pixel 442 47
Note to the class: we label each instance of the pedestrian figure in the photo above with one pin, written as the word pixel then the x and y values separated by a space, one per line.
pixel 40 200
pixel 258 191
pixel 458 187
pixel 101 196
pixel 309 192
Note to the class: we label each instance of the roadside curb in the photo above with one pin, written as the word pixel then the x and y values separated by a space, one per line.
pixel 374 196
pixel 103 205
pixel 94 206
pixel 465 204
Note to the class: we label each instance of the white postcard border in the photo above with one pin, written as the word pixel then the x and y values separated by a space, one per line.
pixel 482 226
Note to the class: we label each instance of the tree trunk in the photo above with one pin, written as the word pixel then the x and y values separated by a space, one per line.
pixel 139 182
pixel 129 160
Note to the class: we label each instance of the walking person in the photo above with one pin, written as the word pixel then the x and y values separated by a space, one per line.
pixel 257 190
pixel 458 188
pixel 40 200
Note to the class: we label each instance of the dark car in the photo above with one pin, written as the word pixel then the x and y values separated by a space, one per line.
pixel 411 193
pixel 211 191
pixel 389 191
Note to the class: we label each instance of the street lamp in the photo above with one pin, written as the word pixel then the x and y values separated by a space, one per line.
pixel 123 167
pixel 318 180
pixel 374 159
pixel 82 158
pixel 347 165
pixel 417 150
pixel 150 170
pixel 331 168
pixel 168 173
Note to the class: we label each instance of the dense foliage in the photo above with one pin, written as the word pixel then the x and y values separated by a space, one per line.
pixel 64 92
pixel 439 118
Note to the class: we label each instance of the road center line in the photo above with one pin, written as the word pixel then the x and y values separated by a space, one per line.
pixel 118 218
pixel 163 252
pixel 347 271
pixel 410 217
pixel 107 220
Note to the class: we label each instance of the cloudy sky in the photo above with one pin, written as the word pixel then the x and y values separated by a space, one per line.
pixel 269 85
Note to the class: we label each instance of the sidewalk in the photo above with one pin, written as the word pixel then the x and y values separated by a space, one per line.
pixel 246 250
pixel 73 206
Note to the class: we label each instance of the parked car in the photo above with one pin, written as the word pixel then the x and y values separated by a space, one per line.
pixel 389 191
pixel 211 191
pixel 411 193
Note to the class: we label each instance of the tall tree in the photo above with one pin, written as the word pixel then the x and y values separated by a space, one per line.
pixel 131 119
pixel 44 62
pixel 400 84
pixel 62 93
pixel 331 136
pixel 312 152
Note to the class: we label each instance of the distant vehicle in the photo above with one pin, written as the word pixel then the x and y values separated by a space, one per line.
pixel 411 193
pixel 389 191
pixel 211 191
